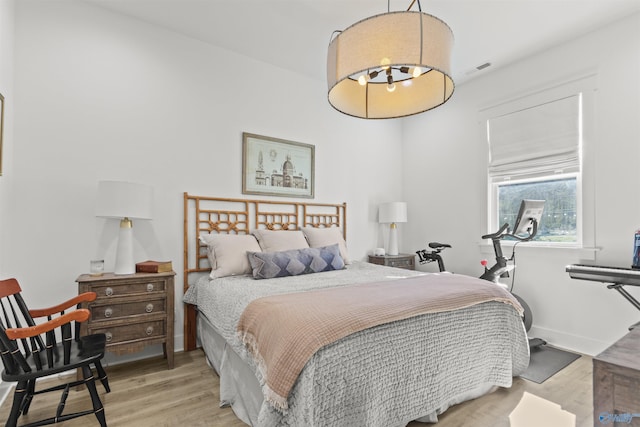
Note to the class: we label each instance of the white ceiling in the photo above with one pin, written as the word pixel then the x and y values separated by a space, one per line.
pixel 294 34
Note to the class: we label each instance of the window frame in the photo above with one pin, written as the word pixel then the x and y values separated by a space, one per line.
pixel 586 86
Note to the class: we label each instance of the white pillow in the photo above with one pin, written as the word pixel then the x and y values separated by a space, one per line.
pixel 228 253
pixel 280 240
pixel 320 237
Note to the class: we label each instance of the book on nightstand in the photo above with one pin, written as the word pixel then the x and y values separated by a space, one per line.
pixel 153 267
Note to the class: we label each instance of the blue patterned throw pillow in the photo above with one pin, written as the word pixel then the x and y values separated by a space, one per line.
pixel 267 265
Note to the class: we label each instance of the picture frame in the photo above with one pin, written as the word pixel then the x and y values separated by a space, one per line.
pixel 1 128
pixel 277 167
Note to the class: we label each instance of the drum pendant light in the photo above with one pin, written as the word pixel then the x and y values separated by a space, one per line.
pixel 391 65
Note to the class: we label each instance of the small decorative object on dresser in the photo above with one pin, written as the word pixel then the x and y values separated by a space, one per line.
pixel 406 261
pixel 96 267
pixel 154 267
pixel 134 310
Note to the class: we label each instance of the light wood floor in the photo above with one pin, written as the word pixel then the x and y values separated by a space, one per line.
pixel 145 393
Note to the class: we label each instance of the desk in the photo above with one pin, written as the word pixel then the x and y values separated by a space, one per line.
pixel 616 380
pixel 617 277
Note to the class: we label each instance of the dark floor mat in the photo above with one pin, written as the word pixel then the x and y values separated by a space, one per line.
pixel 547 361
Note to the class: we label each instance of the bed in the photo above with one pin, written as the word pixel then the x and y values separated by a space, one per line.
pixel 385 373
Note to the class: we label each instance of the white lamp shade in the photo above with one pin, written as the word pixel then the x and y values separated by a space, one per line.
pixel 392 212
pixel 124 200
pixel 119 199
pixel 394 39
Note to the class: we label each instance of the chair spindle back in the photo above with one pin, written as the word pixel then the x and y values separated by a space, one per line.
pixel 15 314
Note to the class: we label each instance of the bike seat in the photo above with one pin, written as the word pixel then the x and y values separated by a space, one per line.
pixel 435 245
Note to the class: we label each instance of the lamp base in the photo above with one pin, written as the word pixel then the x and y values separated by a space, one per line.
pixel 124 250
pixel 393 239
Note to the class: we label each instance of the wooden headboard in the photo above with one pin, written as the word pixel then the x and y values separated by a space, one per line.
pixel 203 215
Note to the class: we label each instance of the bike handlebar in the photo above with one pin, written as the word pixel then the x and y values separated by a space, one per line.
pixel 501 233
pixel 497 233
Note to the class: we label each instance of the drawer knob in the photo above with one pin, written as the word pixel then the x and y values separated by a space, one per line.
pixel 149 287
pixel 149 330
pixel 108 292
pixel 108 312
pixel 109 336
pixel 149 308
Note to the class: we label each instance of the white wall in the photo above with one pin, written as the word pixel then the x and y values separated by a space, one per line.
pixel 102 96
pixel 6 89
pixel 445 181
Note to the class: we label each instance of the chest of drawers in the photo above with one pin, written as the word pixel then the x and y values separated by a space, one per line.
pixel 133 311
pixel 406 261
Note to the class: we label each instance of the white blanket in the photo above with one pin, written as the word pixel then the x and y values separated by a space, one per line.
pixel 387 375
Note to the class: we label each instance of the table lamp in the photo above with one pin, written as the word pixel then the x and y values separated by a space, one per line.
pixel 124 201
pixel 392 213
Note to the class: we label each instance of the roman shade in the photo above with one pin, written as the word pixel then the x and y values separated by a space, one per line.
pixel 540 140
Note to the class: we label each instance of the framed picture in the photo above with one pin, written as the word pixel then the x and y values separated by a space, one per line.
pixel 276 167
pixel 1 128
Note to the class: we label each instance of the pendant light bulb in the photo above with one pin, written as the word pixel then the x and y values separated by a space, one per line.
pixel 390 84
pixel 362 80
pixel 417 71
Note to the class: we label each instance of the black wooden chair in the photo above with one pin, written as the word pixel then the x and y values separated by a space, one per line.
pixel 31 351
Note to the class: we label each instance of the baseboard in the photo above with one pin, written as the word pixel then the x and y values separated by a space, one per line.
pixel 109 359
pixel 575 343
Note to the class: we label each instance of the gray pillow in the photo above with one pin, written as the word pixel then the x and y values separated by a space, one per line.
pixel 267 265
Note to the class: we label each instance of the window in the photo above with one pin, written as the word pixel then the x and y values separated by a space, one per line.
pixel 559 221
pixel 535 154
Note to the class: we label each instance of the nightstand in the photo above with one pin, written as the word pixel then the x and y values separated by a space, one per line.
pixel 132 310
pixel 406 261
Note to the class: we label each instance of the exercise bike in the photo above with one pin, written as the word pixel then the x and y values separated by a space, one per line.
pixel 433 256
pixel 525 229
